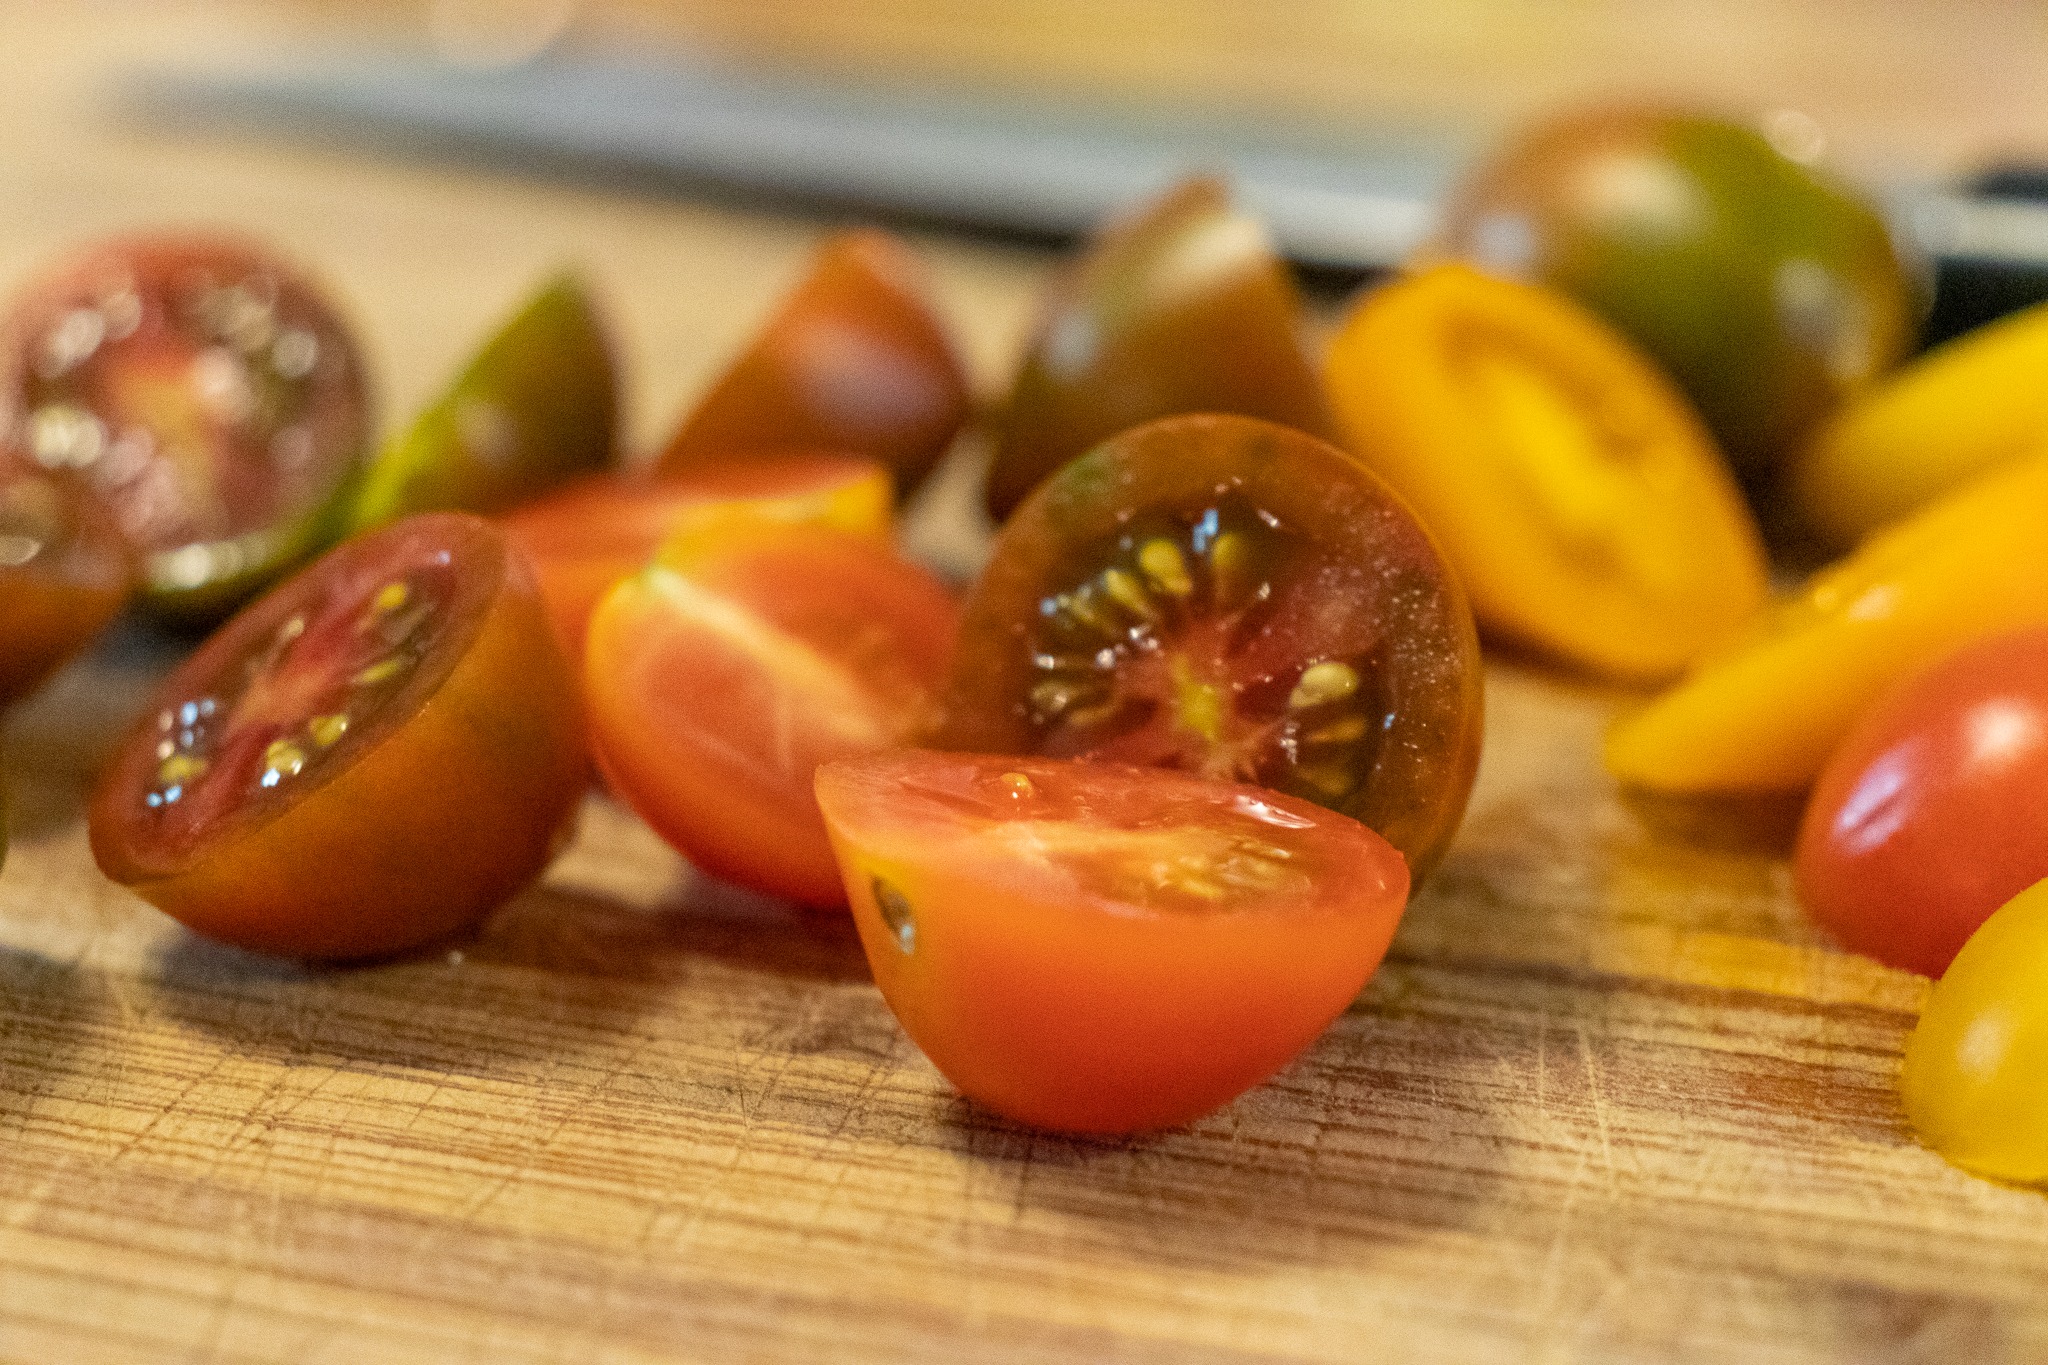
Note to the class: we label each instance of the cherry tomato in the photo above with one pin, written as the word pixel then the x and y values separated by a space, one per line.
pixel 599 530
pixel 1240 600
pixel 855 360
pixel 1972 1080
pixel 206 392
pixel 371 756
pixel 1763 714
pixel 1103 949
pixel 1919 827
pixel 536 406
pixel 1581 503
pixel 748 654
pixel 1181 306
pixel 64 573
pixel 1962 409
pixel 1770 291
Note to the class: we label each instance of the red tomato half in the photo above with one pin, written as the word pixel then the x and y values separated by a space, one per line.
pixel 1104 949
pixel 369 757
pixel 720 677
pixel 64 573
pixel 599 530
pixel 1929 815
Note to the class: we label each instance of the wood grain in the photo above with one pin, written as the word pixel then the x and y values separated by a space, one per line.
pixel 1610 1099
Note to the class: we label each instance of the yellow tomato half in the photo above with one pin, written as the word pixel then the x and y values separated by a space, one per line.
pixel 1765 715
pixel 1976 402
pixel 1572 489
pixel 1976 1076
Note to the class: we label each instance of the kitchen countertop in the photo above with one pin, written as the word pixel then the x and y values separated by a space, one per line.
pixel 1610 1098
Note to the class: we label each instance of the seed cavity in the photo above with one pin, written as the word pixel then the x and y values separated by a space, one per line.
pixel 897 914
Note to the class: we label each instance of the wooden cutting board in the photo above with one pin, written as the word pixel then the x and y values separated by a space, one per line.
pixel 1609 1099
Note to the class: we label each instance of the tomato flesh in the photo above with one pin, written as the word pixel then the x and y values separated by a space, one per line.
pixel 1098 948
pixel 204 391
pixel 64 573
pixel 720 678
pixel 369 757
pixel 1235 599
pixel 1922 822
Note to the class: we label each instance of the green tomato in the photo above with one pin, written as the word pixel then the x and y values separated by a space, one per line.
pixel 1976 1076
pixel 537 406
pixel 1769 291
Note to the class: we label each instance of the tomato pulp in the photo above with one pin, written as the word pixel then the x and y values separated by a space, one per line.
pixel 1098 948
pixel 371 756
pixel 1239 600
pixel 64 573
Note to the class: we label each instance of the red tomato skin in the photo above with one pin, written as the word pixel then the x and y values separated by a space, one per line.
pixel 423 836
pixel 1927 818
pixel 711 749
pixel 1071 1013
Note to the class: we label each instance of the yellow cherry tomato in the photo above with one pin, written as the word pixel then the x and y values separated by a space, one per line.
pixel 1976 402
pixel 1765 714
pixel 1976 1075
pixel 1573 491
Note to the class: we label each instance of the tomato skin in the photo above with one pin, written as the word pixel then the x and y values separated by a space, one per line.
pixel 1350 579
pixel 1920 825
pixel 464 801
pixel 1768 290
pixel 206 392
pixel 1583 506
pixel 720 677
pixel 64 574
pixel 1972 1076
pixel 1041 990
pixel 1180 305
pixel 591 534
pixel 854 360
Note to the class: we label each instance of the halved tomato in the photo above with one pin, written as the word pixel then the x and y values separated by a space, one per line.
pixel 369 757
pixel 64 573
pixel 602 529
pixel 749 653
pixel 1239 600
pixel 854 360
pixel 1098 948
pixel 206 392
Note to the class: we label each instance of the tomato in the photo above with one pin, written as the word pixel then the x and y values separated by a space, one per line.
pixel 748 654
pixel 64 573
pixel 1180 306
pixel 371 756
pixel 1770 291
pixel 1972 1079
pixel 1239 600
pixel 593 533
pixel 537 405
pixel 854 360
pixel 1917 829
pixel 205 391
pixel 1964 408
pixel 1583 507
pixel 1764 714
pixel 1103 949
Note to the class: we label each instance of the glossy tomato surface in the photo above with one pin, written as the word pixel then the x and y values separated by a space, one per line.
pixel 855 360
pixel 64 573
pixel 1238 600
pixel 1972 1078
pixel 599 530
pixel 1098 948
pixel 1583 506
pixel 1924 820
pixel 1181 305
pixel 371 756
pixel 1769 290
pixel 751 652
pixel 201 388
